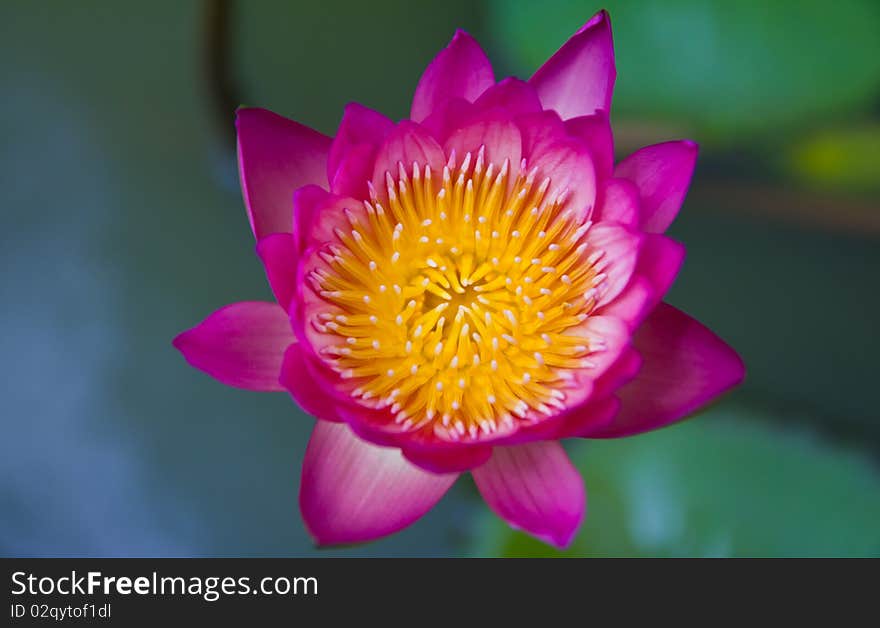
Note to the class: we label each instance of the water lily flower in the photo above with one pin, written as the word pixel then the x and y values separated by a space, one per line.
pixel 461 290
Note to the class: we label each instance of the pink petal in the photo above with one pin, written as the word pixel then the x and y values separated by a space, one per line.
pixel 623 371
pixel 407 143
pixel 308 385
pixel 620 251
pixel 535 488
pixel 461 70
pixel 360 125
pixel 579 78
pixel 662 173
pixel 595 130
pixel 241 345
pixel 352 491
pixel 275 157
pixel 589 417
pixel 448 117
pixel 318 213
pixel 685 367
pixel 607 331
pixel 354 172
pixel 448 459
pixel 499 137
pixel 633 304
pixel 280 256
pixel 619 202
pixel 540 130
pixel 511 96
pixel 569 166
pixel 660 259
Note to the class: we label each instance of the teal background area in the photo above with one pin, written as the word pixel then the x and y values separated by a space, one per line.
pixel 122 224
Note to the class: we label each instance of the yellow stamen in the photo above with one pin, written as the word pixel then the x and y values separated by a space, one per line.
pixel 459 302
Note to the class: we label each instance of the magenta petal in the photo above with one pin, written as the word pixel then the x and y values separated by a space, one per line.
pixel 448 117
pixel 511 96
pixel 280 256
pixel 461 70
pixel 305 386
pixel 241 345
pixel 595 130
pixel 540 130
pixel 660 259
pixel 275 157
pixel 633 304
pixel 685 366
pixel 354 171
pixel 569 166
pixel 448 459
pixel 620 249
pixel 662 173
pixel 499 137
pixel 589 417
pixel 619 202
pixel 535 488
pixel 579 78
pixel 360 125
pixel 407 143
pixel 352 491
pixel 317 213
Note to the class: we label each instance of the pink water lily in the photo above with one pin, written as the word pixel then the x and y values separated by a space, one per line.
pixel 461 290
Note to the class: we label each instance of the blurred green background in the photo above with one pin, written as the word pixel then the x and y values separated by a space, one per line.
pixel 123 224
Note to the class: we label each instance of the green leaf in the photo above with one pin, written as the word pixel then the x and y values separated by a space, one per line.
pixel 728 67
pixel 719 485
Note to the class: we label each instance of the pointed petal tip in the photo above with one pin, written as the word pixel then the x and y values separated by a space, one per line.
pixel 601 18
pixel 579 78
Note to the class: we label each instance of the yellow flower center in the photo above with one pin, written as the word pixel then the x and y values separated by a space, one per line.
pixel 460 303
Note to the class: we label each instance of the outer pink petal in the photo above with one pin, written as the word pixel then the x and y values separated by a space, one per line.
pixel 275 157
pixel 685 367
pixel 241 345
pixel 461 70
pixel 280 257
pixel 662 173
pixel 535 488
pixel 595 130
pixel 579 78
pixel 352 491
pixel 305 385
pixel 359 125
pixel 660 259
pixel 619 202
pixel 407 143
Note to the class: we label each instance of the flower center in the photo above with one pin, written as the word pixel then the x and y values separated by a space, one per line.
pixel 460 303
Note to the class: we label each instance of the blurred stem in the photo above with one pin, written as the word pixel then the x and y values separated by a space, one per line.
pixel 223 94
